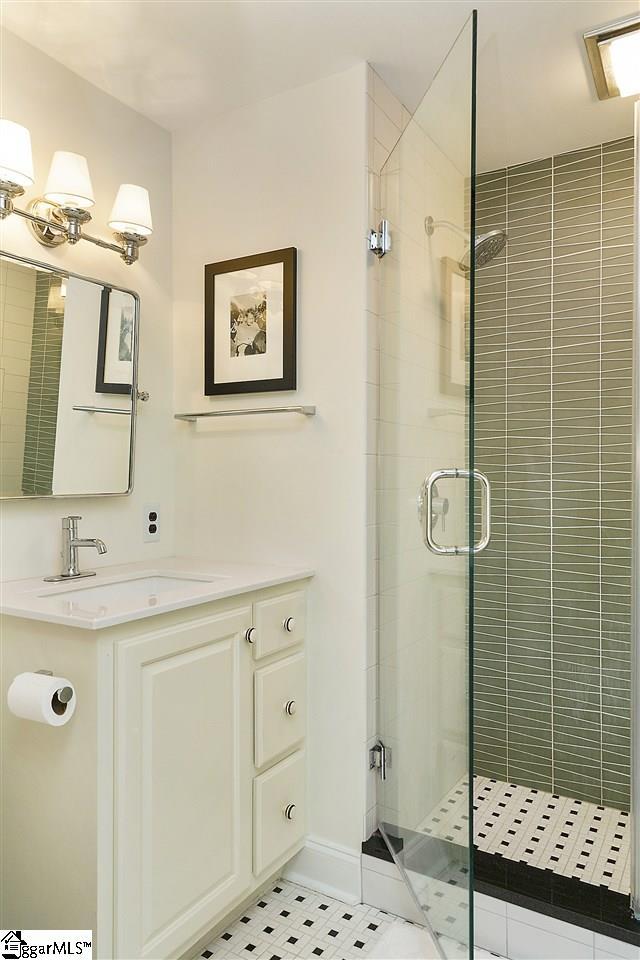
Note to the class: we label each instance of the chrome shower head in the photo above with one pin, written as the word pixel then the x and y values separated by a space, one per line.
pixel 487 246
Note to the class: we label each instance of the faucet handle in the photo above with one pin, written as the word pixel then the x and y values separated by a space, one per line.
pixel 70 522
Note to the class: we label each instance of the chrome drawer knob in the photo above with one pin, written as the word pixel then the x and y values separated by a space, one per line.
pixel 250 635
pixel 290 811
pixel 290 707
pixel 289 624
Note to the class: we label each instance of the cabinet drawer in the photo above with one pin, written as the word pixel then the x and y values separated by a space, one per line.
pixel 280 708
pixel 278 811
pixel 278 623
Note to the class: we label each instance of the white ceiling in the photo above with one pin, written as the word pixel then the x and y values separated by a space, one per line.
pixel 180 62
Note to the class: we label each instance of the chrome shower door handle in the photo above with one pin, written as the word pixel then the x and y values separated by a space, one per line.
pixel 426 500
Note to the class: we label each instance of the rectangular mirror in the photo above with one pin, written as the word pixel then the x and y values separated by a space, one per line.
pixel 68 365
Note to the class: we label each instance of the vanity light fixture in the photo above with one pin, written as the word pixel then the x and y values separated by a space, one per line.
pixel 131 216
pixel 614 54
pixel 60 215
pixel 16 164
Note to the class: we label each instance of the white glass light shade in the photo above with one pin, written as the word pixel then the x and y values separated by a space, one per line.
pixel 69 183
pixel 131 211
pixel 16 162
pixel 624 53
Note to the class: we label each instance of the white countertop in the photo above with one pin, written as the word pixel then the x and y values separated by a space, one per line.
pixel 137 590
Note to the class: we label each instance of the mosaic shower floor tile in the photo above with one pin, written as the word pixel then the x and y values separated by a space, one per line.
pixel 570 837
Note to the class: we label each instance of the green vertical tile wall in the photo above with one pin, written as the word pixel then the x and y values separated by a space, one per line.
pixel 616 413
pixel 490 627
pixel 553 433
pixel 44 381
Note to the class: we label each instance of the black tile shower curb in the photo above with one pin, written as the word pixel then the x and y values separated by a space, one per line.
pixel 564 898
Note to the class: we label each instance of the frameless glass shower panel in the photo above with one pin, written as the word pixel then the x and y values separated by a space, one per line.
pixel 425 307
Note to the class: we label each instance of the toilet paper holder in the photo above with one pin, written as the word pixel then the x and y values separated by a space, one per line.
pixel 64 694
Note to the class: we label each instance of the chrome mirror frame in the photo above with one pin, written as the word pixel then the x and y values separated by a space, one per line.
pixel 136 394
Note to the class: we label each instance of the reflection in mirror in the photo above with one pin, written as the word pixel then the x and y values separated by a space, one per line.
pixel 67 368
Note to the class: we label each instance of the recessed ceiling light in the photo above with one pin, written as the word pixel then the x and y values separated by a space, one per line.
pixel 614 54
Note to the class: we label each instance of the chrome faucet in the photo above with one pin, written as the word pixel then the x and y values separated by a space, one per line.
pixel 70 544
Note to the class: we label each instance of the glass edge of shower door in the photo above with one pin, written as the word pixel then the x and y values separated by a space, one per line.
pixel 427 192
pixel 472 488
pixel 635 541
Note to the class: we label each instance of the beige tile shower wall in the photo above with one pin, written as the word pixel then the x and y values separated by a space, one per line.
pixel 386 118
pixel 553 431
pixel 421 426
pixel 422 596
pixel 17 294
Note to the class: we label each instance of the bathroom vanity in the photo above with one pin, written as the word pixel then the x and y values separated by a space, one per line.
pixel 178 787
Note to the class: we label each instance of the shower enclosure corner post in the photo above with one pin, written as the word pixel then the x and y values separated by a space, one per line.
pixel 635 581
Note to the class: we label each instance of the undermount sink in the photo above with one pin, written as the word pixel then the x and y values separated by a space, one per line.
pixel 142 589
pixel 133 591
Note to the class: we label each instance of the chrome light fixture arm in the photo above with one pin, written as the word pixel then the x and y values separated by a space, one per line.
pixel 62 213
pixel 53 225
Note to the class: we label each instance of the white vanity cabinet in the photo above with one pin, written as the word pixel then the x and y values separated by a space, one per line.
pixel 182 809
pixel 177 788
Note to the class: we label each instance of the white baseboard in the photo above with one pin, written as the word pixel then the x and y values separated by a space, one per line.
pixel 327 868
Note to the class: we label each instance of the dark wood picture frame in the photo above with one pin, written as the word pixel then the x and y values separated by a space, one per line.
pixel 101 385
pixel 288 381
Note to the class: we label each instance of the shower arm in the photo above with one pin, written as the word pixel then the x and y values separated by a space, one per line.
pixel 430 226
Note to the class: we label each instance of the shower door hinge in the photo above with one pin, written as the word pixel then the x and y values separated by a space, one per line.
pixel 380 240
pixel 380 759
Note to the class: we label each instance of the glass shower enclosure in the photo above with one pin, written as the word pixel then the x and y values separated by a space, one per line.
pixel 523 377
pixel 429 521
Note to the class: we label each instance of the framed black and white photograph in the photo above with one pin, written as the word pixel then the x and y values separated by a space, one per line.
pixel 114 371
pixel 250 324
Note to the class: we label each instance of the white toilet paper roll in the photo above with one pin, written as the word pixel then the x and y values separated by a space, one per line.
pixel 40 697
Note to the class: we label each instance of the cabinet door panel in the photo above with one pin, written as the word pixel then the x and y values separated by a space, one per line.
pixel 183 804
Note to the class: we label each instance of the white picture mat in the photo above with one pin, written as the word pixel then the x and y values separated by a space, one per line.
pixel 116 370
pixel 265 366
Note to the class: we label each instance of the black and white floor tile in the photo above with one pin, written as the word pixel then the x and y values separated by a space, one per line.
pixel 570 837
pixel 290 922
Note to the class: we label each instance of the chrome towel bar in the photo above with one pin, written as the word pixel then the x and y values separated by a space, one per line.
pixel 117 410
pixel 307 411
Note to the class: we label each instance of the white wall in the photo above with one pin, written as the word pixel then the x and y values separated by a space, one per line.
pixel 63 111
pixel 289 171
